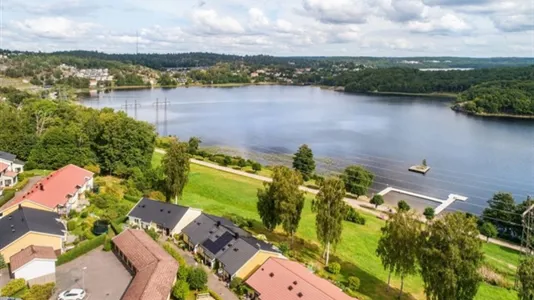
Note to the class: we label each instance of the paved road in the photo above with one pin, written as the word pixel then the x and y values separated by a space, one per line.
pixel 358 204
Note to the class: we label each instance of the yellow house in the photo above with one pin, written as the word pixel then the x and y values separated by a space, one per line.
pixel 26 226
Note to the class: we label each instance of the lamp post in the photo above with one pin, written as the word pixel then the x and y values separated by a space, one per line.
pixel 83 277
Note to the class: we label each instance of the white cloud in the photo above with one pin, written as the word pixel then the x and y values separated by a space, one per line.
pixel 446 24
pixel 257 19
pixel 511 23
pixel 53 27
pixel 337 11
pixel 209 22
pixel 403 10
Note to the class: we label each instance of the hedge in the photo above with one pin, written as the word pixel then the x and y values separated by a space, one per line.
pixel 215 295
pixel 13 286
pixel 40 292
pixel 8 194
pixel 81 249
pixel 131 198
pixel 175 254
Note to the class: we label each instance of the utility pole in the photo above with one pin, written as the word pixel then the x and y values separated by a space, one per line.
pixel 135 105
pixel 527 236
pixel 157 104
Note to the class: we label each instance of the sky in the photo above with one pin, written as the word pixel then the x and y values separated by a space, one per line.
pixel 475 28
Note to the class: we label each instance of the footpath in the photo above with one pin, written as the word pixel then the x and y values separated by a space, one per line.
pixel 358 204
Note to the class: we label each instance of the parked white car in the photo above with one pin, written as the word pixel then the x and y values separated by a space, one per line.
pixel 74 294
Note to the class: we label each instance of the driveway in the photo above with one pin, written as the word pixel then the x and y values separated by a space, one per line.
pixel 104 277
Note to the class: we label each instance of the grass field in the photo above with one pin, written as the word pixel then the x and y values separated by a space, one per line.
pixel 228 194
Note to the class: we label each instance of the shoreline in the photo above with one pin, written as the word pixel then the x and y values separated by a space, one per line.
pixel 458 108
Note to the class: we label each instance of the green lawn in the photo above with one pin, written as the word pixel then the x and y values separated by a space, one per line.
pixel 226 194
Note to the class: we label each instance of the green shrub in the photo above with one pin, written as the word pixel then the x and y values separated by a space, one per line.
pixel 237 286
pixel 107 244
pixel 334 268
pixel 215 295
pixel 256 166
pixel 2 262
pixel 354 283
pixel 13 286
pixel 403 206
pixel 152 233
pixel 183 272
pixel 8 194
pixel 351 293
pixel 353 216
pixel 40 292
pixel 312 186
pixel 73 214
pixel 283 248
pixel 83 215
pixel 81 249
pixel 197 278
pixel 168 247
pixel 131 198
pixel 180 290
pixel 71 225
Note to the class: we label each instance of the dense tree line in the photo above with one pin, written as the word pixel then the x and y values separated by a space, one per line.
pixel 222 73
pixel 512 97
pixel 50 134
pixel 415 81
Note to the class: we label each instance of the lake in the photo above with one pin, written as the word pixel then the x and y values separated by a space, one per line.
pixel 470 156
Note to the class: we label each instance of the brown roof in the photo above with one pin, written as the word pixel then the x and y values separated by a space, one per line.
pixel 155 270
pixel 30 253
pixel 284 279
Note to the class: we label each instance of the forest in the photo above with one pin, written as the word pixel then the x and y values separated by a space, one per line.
pixel 49 134
pixel 514 97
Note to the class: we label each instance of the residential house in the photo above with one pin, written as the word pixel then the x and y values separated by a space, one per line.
pixel 289 280
pixel 26 226
pixel 223 245
pixel 35 264
pixel 59 192
pixel 162 216
pixel 10 167
pixel 153 268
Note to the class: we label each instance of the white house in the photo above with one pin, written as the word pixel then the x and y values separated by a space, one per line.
pixel 10 167
pixel 164 217
pixel 36 264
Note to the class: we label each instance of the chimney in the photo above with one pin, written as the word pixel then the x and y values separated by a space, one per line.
pixel 20 206
pixel 218 223
pixel 41 187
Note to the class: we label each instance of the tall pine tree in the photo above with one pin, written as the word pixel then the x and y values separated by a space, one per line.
pixel 303 162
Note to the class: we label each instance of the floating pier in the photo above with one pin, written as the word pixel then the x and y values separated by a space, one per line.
pixel 419 169
pixel 443 204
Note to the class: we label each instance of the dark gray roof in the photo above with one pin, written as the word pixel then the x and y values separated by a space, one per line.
pixel 18 161
pixel 260 244
pixel 165 214
pixel 237 256
pixel 199 230
pixel 7 156
pixel 218 242
pixel 23 220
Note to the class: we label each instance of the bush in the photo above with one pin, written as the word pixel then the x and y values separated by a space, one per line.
pixel 131 198
pixel 152 233
pixel 40 292
pixel 283 248
pixel 237 286
pixel 242 163
pixel 83 215
pixel 403 206
pixel 2 262
pixel 107 244
pixel 80 250
pixel 334 268
pixel 256 166
pixel 93 168
pixel 13 286
pixel 197 278
pixel 354 283
pixel 168 247
pixel 71 225
pixel 8 194
pixel 227 160
pixel 353 216
pixel 180 290
pixel 183 272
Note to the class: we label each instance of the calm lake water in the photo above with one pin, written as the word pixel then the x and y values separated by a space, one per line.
pixel 470 156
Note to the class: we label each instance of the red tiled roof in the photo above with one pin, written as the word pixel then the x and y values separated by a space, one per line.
pixel 56 187
pixel 30 253
pixel 155 268
pixel 3 166
pixel 286 274
pixel 11 174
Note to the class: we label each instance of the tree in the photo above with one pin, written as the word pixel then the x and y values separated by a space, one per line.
pixel 256 166
pixel 499 212
pixel 450 257
pixel 180 290
pixel 403 206
pixel 281 201
pixel 175 165
pixel 357 180
pixel 330 209
pixel 197 278
pixel 525 276
pixel 399 244
pixel 193 144
pixel 429 213
pixel 241 163
pixel 488 230
pixel 303 162
pixel 377 200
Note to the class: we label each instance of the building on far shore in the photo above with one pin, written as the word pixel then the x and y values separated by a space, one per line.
pixel 153 268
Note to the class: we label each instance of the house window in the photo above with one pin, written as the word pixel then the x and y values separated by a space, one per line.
pixel 8 182
pixel 17 170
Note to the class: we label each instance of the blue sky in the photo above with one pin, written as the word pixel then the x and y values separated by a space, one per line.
pixel 277 27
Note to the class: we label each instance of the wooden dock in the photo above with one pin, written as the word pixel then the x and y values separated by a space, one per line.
pixel 419 169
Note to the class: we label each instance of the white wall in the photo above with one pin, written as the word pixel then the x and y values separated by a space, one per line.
pixel 36 268
pixel 189 216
